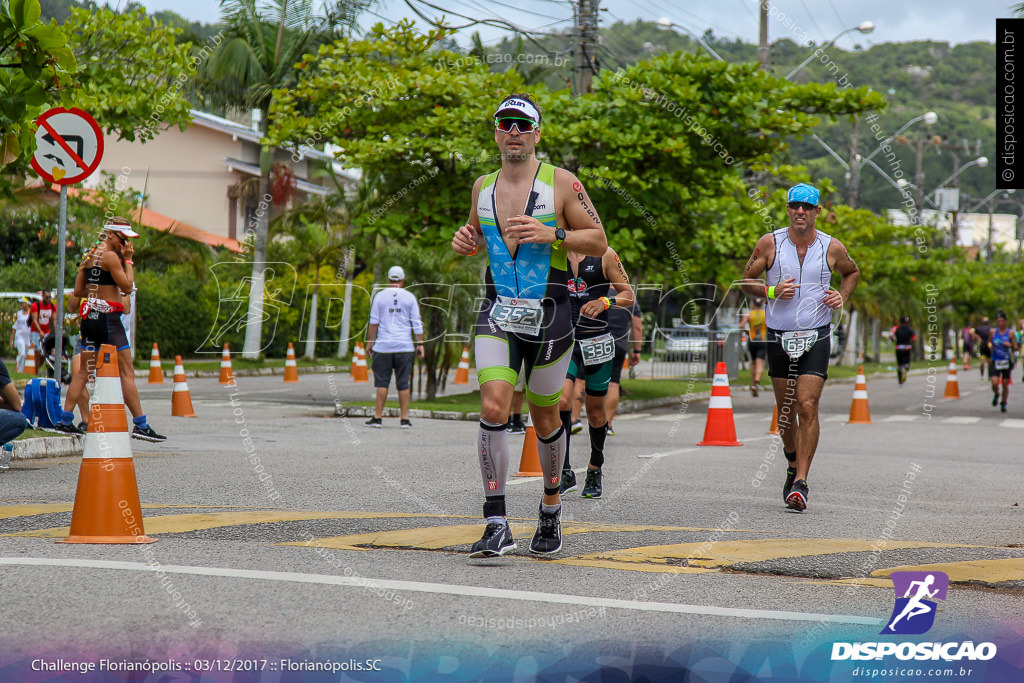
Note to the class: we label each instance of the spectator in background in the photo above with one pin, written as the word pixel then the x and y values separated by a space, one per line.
pixel 981 337
pixel 12 422
pixel 42 313
pixel 967 340
pixel 21 333
pixel 622 323
pixel 394 315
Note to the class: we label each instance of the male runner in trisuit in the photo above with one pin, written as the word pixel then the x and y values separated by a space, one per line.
pixel 529 215
pixel 757 336
pixel 903 337
pixel 798 262
pixel 593 355
pixel 1003 343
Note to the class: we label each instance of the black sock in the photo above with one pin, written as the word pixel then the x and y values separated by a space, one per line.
pixel 791 457
pixel 597 437
pixel 517 418
pixel 566 416
pixel 494 506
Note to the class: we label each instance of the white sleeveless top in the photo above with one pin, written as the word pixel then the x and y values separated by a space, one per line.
pixel 806 310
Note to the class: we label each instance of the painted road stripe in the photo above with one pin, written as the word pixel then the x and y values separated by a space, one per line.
pixel 1012 424
pixel 443 589
pixel 727 553
pixel 437 537
pixel 901 418
pixel 672 417
pixel 631 416
pixel 836 418
pixel 962 420
pixel 176 524
pixel 986 571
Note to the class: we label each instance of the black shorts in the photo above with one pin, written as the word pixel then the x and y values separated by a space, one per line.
pixel 814 361
pixel 400 362
pixel 985 351
pixel 103 328
pixel 1002 374
pixel 620 358
pixel 903 356
pixel 757 349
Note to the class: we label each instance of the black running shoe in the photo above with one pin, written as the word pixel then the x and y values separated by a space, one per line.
pixel 516 427
pixel 84 426
pixel 68 428
pixel 548 538
pixel 568 484
pixel 797 498
pixel 790 477
pixel 147 434
pixel 592 488
pixel 373 422
pixel 995 400
pixel 496 541
pixel 405 424
pixel 1002 407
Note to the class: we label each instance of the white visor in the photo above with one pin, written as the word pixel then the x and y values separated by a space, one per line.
pixel 514 104
pixel 125 230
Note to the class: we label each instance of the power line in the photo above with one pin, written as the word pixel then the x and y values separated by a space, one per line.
pixel 811 17
pixel 841 22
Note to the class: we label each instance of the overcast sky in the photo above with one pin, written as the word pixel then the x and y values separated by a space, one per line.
pixel 953 21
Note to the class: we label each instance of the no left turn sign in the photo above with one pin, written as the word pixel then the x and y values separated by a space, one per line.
pixel 69 146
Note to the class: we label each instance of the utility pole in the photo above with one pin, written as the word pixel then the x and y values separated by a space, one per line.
pixel 586 44
pixel 763 50
pixel 853 175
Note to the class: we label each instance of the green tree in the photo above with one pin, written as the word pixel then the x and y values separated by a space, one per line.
pixel 35 62
pixel 262 44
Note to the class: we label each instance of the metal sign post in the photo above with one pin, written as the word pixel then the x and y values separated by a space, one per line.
pixel 69 146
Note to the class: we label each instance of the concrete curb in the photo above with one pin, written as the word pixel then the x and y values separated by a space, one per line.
pixel 46 447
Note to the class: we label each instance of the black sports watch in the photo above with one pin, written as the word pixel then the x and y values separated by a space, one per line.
pixel 559 237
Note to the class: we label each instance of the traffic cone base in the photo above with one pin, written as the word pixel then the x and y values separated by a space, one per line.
pixel 156 372
pixel 227 376
pixel 774 429
pixel 291 369
pixel 952 383
pixel 859 412
pixel 720 428
pixel 529 461
pixel 462 373
pixel 107 508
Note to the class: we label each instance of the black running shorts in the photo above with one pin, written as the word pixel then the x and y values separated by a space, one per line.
pixel 814 361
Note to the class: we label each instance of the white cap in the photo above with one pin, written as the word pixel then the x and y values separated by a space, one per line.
pixel 519 106
pixel 125 230
pixel 396 274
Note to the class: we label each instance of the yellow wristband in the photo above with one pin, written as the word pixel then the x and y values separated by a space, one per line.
pixel 770 292
pixel 607 302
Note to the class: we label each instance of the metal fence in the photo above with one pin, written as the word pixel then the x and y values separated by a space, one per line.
pixel 688 352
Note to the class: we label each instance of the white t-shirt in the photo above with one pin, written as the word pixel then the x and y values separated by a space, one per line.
pixel 396 314
pixel 21 328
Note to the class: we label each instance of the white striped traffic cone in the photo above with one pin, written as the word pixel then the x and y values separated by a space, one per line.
pixel 462 373
pixel 359 373
pixel 952 383
pixel 181 400
pixel 227 376
pixel 859 412
pixel 720 429
pixel 107 508
pixel 291 370
pixel 156 371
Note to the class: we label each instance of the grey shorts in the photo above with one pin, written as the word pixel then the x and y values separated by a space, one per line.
pixel 383 364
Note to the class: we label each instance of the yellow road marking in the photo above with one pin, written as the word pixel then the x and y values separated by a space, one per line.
pixel 30 509
pixel 437 537
pixel 986 571
pixel 176 524
pixel 726 553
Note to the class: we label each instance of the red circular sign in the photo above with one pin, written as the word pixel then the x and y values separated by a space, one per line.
pixel 69 146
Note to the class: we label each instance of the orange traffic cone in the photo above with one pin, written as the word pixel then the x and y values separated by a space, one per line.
pixel 952 384
pixel 359 373
pixel 227 376
pixel 355 360
pixel 107 508
pixel 625 362
pixel 30 360
pixel 774 429
pixel 291 370
pixel 181 400
pixel 462 374
pixel 156 372
pixel 720 429
pixel 859 413
pixel 529 462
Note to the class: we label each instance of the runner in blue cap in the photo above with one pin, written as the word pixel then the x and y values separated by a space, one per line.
pixel 797 263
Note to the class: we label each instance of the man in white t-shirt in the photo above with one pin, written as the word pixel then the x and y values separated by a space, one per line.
pixel 394 314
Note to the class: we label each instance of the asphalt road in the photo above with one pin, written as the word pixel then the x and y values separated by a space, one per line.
pixel 349 546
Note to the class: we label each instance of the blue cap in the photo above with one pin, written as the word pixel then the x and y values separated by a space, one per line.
pixel 803 193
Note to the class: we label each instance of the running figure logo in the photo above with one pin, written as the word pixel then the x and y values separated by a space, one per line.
pixel 915 608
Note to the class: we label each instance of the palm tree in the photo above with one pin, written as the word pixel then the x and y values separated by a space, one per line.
pixel 317 242
pixel 263 41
